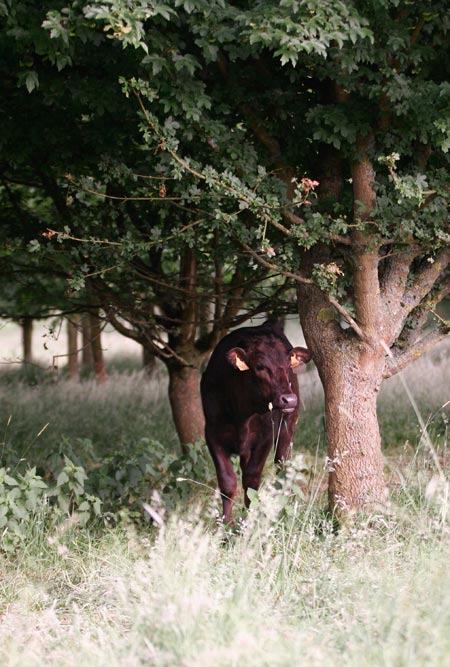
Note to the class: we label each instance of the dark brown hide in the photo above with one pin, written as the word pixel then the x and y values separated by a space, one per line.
pixel 248 388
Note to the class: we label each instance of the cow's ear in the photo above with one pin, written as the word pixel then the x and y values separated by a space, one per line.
pixel 236 357
pixel 299 357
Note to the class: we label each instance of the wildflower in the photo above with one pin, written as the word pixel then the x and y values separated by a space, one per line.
pixel 49 233
pixel 309 184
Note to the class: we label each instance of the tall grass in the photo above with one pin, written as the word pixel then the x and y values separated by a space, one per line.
pixel 84 417
pixel 428 382
pixel 284 589
pixel 284 592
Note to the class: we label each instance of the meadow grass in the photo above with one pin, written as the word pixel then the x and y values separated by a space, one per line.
pixel 91 419
pixel 284 589
pixel 131 407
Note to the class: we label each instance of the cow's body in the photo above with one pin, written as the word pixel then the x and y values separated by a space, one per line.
pixel 250 399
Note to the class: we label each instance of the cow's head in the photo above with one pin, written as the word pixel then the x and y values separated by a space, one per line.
pixel 270 368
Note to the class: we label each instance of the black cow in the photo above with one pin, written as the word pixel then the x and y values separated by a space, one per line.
pixel 251 403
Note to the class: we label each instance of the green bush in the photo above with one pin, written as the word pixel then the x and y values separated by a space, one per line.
pixel 26 497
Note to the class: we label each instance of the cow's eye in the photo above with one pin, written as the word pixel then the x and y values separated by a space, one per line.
pixel 260 367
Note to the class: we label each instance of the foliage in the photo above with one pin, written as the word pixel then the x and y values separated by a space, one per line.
pixel 284 587
pixel 20 499
pixel 26 498
pixel 194 64
pixel 151 473
pixel 189 137
pixel 178 187
pixel 200 83
pixel 118 488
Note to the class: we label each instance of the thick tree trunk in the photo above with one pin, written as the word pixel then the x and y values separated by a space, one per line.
pixel 353 438
pixel 73 368
pixel 97 350
pixel 27 339
pixel 351 372
pixel 351 363
pixel 185 401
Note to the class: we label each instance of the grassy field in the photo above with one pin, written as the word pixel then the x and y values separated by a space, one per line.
pixel 110 588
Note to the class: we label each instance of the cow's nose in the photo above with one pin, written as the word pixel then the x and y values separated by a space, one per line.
pixel 288 402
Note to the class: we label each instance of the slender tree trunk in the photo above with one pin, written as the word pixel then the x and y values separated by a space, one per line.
pixel 184 380
pixel 185 402
pixel 27 339
pixel 73 367
pixel 97 350
pixel 87 360
pixel 148 361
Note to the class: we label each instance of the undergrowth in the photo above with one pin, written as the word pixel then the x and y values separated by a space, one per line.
pixel 113 552
pixel 283 589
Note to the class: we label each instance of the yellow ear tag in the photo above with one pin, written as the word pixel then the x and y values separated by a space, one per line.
pixel 241 365
pixel 295 361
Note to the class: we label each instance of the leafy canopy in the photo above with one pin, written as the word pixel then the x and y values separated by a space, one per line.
pixel 211 117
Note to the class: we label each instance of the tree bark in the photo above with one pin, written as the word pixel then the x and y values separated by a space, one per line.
pixel 87 360
pixel 185 402
pixel 353 438
pixel 97 350
pixel 27 339
pixel 351 372
pixel 73 367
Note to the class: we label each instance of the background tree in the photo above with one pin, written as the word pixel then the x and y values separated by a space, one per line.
pixel 132 244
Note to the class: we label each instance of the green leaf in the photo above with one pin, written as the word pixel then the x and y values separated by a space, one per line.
pixel 253 496
pixel 63 478
pixel 10 480
pixel 32 81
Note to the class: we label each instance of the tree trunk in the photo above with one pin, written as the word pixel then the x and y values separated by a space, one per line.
pixel 87 360
pixel 185 401
pixel 27 339
pixel 351 372
pixel 73 368
pixel 97 350
pixel 353 437
pixel 148 361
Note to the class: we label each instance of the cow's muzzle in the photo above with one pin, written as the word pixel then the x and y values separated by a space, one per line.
pixel 287 403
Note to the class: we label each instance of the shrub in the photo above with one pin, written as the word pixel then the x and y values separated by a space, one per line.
pixel 26 498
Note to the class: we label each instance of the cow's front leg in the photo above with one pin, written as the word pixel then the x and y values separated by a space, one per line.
pixel 252 469
pixel 251 479
pixel 227 484
pixel 226 476
pixel 284 431
pixel 252 465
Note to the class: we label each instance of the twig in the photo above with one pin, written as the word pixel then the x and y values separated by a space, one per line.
pixel 308 281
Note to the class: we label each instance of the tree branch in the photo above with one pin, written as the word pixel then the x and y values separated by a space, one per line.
pixel 424 281
pixel 119 326
pixel 308 281
pixel 369 312
pixel 393 281
pixel 188 278
pixel 285 171
pixel 399 359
